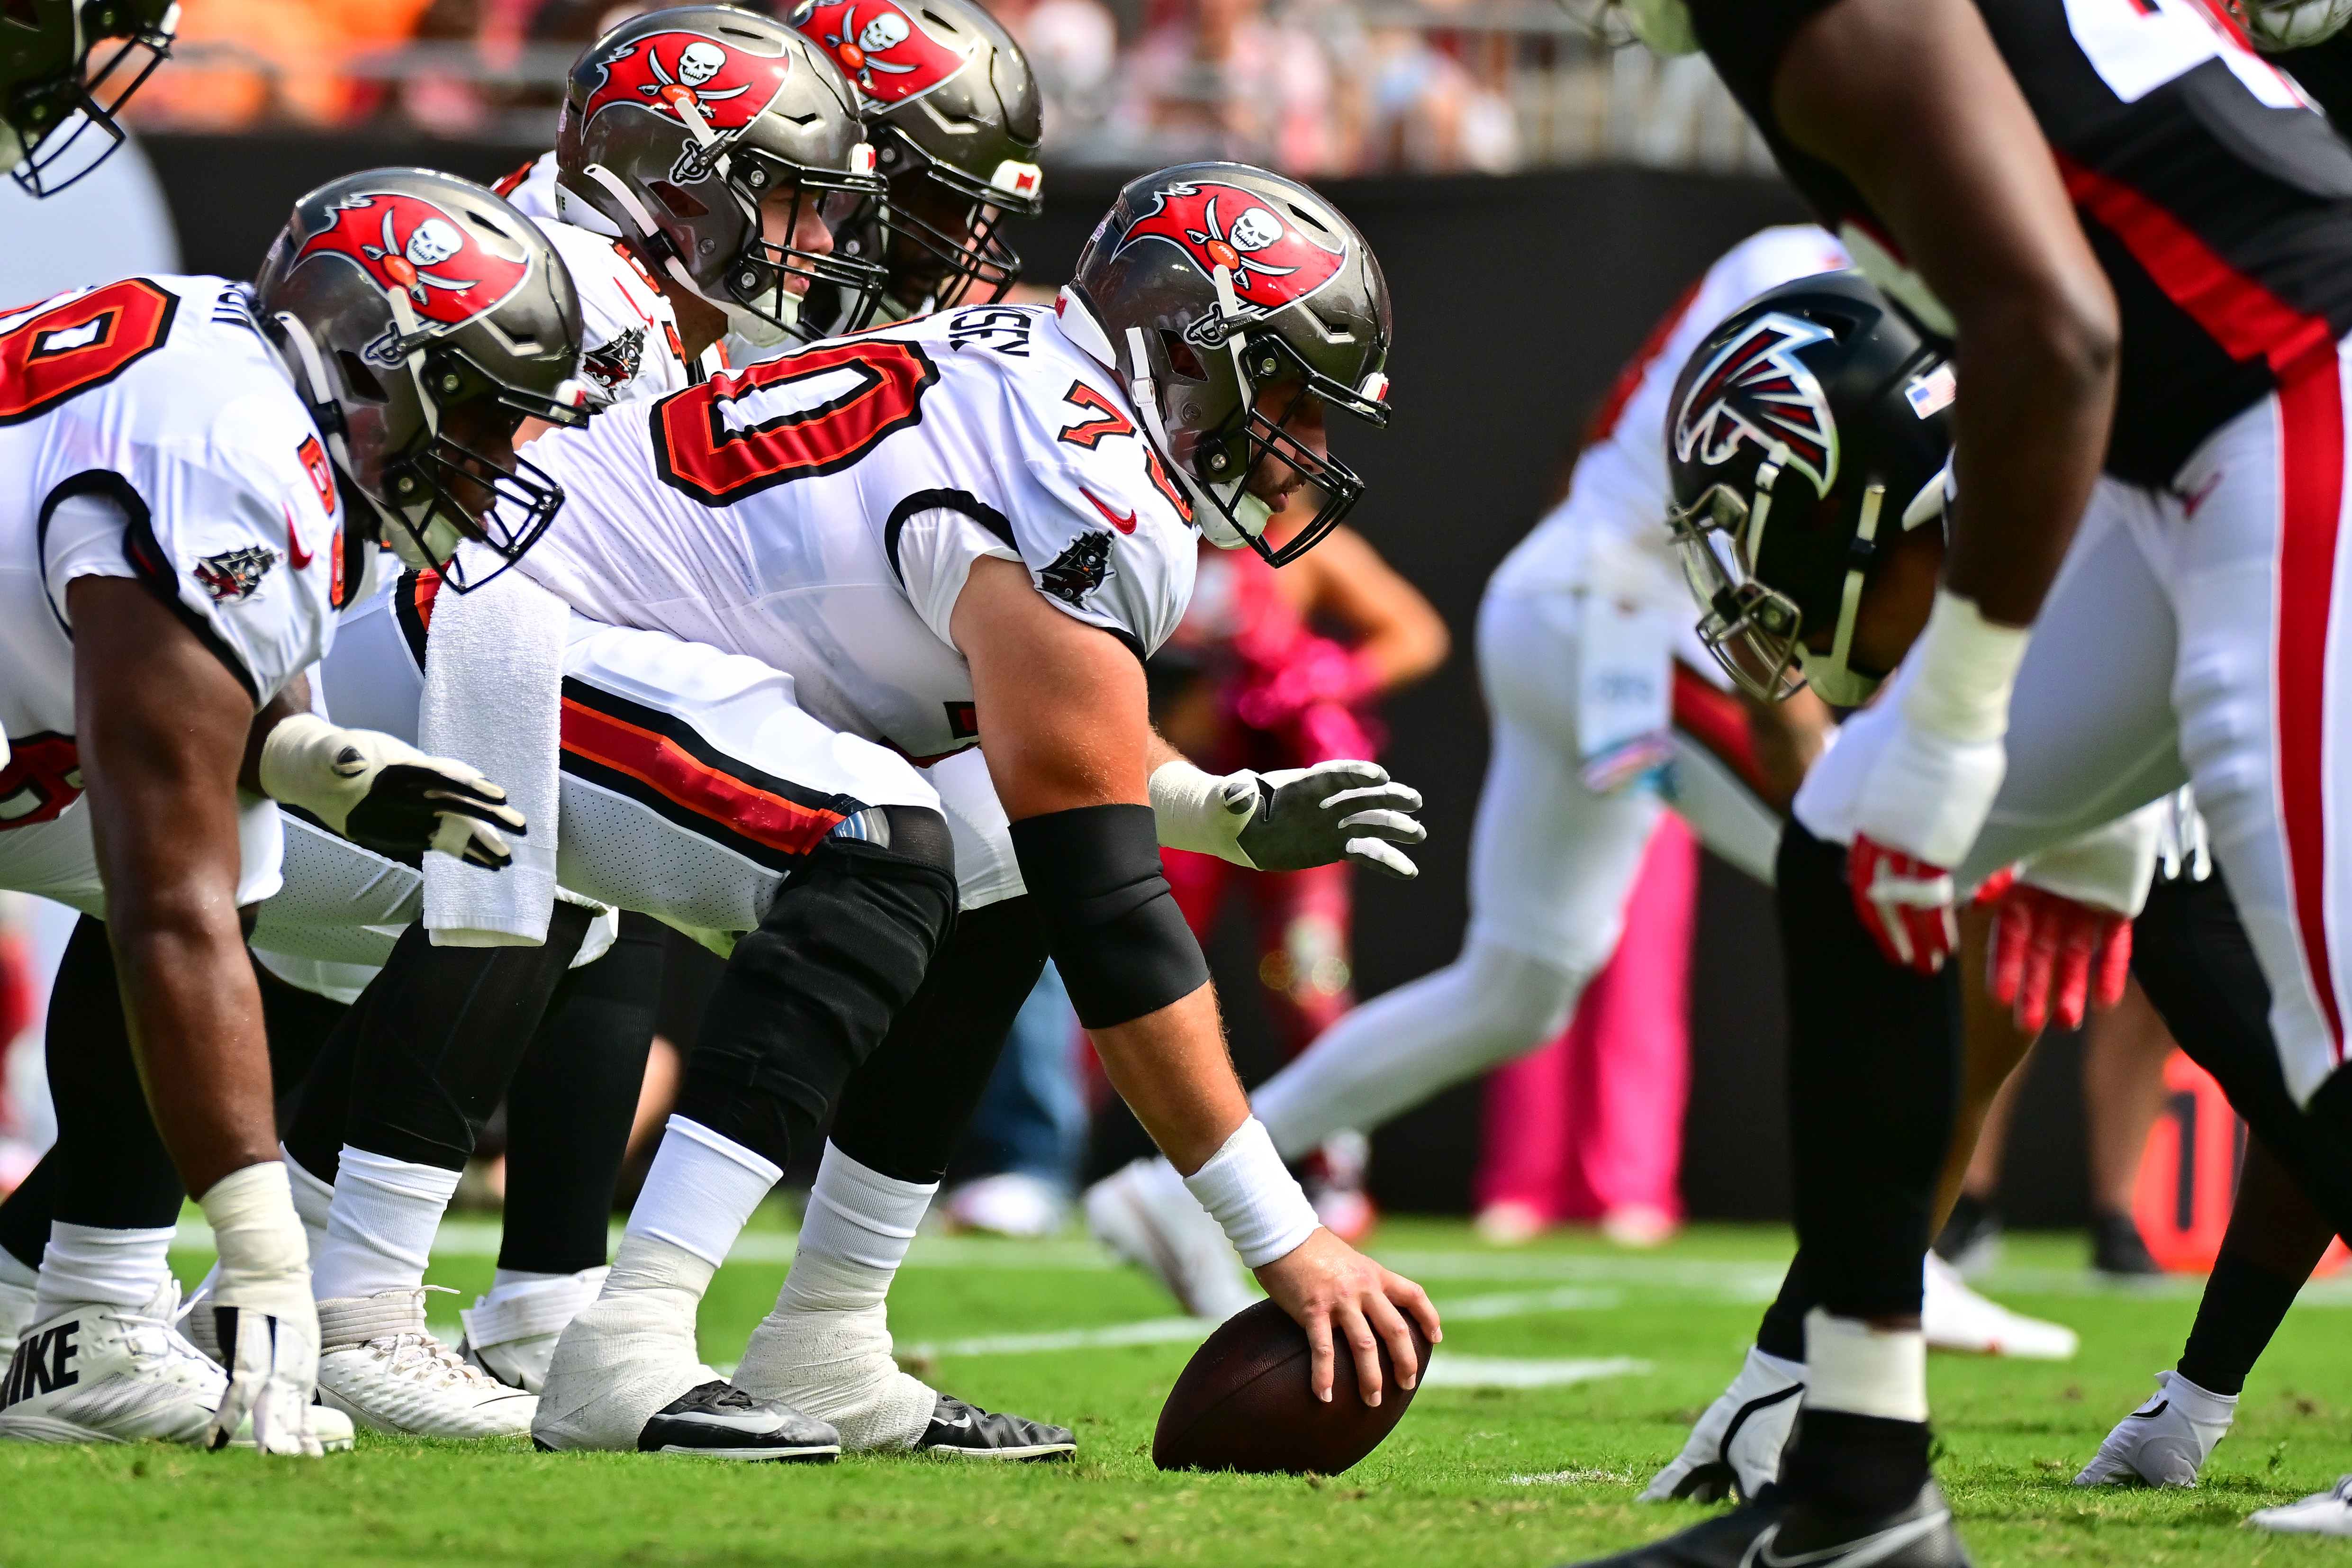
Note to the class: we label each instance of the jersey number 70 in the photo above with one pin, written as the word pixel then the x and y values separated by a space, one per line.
pixel 812 412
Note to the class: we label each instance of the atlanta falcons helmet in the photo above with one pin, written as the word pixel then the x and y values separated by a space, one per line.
pixel 1812 425
pixel 1233 300
pixel 57 110
pixel 425 320
pixel 677 125
pixel 953 113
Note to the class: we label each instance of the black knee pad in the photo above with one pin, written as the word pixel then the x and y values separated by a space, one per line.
pixel 809 995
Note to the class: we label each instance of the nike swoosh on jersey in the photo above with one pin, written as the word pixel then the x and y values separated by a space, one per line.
pixel 295 555
pixel 1859 1553
pixel 1124 524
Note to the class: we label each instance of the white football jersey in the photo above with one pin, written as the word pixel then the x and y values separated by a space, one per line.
pixel 147 430
pixel 821 512
pixel 1610 533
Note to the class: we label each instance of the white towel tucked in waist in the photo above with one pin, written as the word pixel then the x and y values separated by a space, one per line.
pixel 493 697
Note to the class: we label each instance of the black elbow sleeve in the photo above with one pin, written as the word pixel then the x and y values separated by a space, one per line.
pixel 1111 924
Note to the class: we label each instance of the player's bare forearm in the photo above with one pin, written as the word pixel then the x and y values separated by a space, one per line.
pixel 1788 736
pixel 1397 632
pixel 1173 1070
pixel 162 727
pixel 1910 99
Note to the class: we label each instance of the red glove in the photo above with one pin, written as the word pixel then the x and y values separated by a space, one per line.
pixel 1905 903
pixel 2049 949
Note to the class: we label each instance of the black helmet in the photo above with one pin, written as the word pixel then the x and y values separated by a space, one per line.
pixel 677 125
pixel 52 98
pixel 952 110
pixel 425 319
pixel 1208 284
pixel 1815 419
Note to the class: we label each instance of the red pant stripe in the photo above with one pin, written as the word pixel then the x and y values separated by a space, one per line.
pixel 2311 466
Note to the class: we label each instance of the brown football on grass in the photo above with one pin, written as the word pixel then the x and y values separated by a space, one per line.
pixel 1243 1404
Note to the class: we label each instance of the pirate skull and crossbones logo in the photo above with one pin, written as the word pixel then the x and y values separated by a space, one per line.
pixel 885 32
pixel 697 63
pixel 431 243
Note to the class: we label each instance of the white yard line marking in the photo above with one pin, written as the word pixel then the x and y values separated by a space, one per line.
pixel 1451 1370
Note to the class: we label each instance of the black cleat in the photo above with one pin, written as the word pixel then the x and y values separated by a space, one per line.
pixel 959 1431
pixel 720 1421
pixel 2118 1248
pixel 1778 1532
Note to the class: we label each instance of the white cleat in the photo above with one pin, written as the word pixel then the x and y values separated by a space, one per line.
pixel 15 1311
pixel 97 1372
pixel 1954 1318
pixel 510 1333
pixel 1010 1203
pixel 2166 1440
pixel 1144 1212
pixel 379 1365
pixel 2322 1513
pixel 1738 1441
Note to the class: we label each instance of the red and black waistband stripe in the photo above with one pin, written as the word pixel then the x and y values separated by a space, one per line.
pixel 661 761
pixel 1714 719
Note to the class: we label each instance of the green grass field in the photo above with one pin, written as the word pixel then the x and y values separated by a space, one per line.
pixel 1576 1369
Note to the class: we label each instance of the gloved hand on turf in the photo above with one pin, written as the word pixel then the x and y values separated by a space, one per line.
pixel 261 1302
pixel 1290 820
pixel 384 794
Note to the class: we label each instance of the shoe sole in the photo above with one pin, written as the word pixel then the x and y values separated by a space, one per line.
pixel 384 1427
pixel 814 1453
pixel 1034 1451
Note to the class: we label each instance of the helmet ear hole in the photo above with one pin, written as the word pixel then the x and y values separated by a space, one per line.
pixel 361 380
pixel 1182 359
pixel 679 203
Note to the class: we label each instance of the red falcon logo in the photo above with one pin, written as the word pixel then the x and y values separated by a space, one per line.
pixel 408 244
pixel 1756 389
pixel 878 46
pixel 677 73
pixel 1274 261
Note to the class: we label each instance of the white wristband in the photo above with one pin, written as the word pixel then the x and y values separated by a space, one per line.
pixel 1253 1195
pixel 1195 810
pixel 265 1260
pixel 1966 667
pixel 297 768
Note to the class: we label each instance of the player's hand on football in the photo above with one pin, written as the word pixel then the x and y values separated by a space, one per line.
pixel 1334 811
pixel 2055 957
pixel 1336 1294
pixel 384 794
pixel 1905 905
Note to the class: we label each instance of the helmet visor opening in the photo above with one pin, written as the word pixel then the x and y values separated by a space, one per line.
pixel 805 292
pixel 1266 453
pixel 1751 629
pixel 465 481
pixel 68 127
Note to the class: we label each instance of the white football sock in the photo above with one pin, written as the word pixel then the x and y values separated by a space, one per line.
pixel 13 1272
pixel 1852 1367
pixel 314 1200
pixel 379 1228
pixel 85 1263
pixel 856 1234
pixel 700 1193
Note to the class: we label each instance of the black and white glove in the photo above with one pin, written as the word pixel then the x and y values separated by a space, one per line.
pixel 1290 820
pixel 384 794
pixel 261 1304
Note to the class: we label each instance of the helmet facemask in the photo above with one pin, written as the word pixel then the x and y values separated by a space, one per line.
pixel 946 232
pixel 843 285
pixel 52 132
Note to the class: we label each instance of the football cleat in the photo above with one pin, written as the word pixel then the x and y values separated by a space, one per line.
pixel 15 1311
pixel 2321 1513
pixel 510 1333
pixel 1010 1203
pixel 2166 1440
pixel 1736 1447
pixel 626 1376
pixel 1334 1176
pixel 960 1431
pixel 97 1372
pixel 837 1366
pixel 1781 1533
pixel 1144 1212
pixel 1954 1318
pixel 718 1421
pixel 381 1366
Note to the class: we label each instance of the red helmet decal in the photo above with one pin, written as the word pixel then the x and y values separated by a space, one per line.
pixel 671 73
pixel 1274 261
pixel 879 47
pixel 1756 389
pixel 407 243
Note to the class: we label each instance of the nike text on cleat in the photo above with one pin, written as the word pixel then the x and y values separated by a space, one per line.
pixel 97 1372
pixel 510 1333
pixel 2166 1440
pixel 1146 1215
pixel 2322 1513
pixel 1954 1318
pixel 960 1431
pixel 716 1421
pixel 379 1365
pixel 1781 1533
pixel 1736 1445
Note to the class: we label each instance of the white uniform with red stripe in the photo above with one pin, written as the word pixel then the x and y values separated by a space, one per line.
pixel 147 431
pixel 1591 601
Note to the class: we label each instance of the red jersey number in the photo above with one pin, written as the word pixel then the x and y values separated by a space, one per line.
pixel 809 414
pixel 80 343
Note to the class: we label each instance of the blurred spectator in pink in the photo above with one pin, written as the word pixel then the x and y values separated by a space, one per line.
pixel 1219 79
pixel 1590 1127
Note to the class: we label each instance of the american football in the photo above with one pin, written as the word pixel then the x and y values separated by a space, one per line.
pixel 1244 1402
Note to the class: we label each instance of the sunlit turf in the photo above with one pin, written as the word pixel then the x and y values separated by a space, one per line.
pixel 1483 1477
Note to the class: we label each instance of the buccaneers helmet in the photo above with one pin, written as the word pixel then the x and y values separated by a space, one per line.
pixel 57 112
pixel 678 124
pixel 952 110
pixel 425 320
pixel 1814 420
pixel 1234 302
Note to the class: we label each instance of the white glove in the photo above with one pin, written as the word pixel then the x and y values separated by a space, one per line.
pixel 384 794
pixel 1290 820
pixel 261 1300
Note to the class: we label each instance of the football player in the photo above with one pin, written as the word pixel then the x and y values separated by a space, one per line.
pixel 2061 191
pixel 183 451
pixel 57 109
